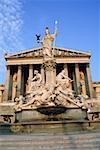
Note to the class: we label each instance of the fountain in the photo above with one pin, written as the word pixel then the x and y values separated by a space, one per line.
pixel 51 115
pixel 52 99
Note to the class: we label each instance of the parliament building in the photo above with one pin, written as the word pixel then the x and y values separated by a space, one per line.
pixel 21 66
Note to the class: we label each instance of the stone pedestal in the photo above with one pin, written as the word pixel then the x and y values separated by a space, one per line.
pixel 49 67
pixel 41 114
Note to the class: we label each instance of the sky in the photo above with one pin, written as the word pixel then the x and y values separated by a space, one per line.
pixel 78 27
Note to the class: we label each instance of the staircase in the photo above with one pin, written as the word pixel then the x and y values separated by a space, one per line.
pixel 83 141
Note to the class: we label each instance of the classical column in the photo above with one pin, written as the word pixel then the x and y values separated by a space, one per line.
pixel 74 81
pixel 30 74
pixel 66 69
pixel 89 80
pixel 0 96
pixel 54 74
pixel 30 71
pixel 77 74
pixel 19 80
pixel 6 92
pixel 43 74
pixel 23 85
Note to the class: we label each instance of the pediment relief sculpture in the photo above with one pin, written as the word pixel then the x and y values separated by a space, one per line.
pixel 39 53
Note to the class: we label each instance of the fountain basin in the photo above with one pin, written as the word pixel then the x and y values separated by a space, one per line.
pixel 50 113
pixel 52 110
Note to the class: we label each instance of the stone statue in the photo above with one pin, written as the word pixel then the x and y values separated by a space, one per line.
pixel 47 43
pixel 63 79
pixel 82 84
pixel 36 81
pixel 40 97
pixel 19 102
pixel 14 85
pixel 27 87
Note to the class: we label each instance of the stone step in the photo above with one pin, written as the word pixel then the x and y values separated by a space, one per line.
pixel 65 142
pixel 50 127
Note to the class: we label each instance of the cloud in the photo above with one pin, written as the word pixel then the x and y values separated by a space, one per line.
pixel 11 22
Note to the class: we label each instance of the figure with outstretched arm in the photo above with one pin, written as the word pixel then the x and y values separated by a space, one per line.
pixel 47 42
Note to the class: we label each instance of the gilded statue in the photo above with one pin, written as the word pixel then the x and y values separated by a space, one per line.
pixel 14 86
pixel 82 84
pixel 27 87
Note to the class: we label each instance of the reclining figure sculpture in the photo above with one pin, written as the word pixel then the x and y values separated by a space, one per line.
pixel 55 94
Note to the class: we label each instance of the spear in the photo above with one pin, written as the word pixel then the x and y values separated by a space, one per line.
pixel 55 33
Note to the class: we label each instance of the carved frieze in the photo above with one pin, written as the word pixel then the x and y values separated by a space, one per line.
pixel 57 52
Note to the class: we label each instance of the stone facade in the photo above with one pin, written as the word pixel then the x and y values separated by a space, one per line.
pixel 1 92
pixel 21 66
pixel 96 88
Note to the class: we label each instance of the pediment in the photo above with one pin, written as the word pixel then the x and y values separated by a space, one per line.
pixel 38 52
pixel 58 52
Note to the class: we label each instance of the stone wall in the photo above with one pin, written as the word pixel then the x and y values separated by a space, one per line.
pixel 96 88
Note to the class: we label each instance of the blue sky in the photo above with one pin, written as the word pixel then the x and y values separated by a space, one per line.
pixel 78 27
